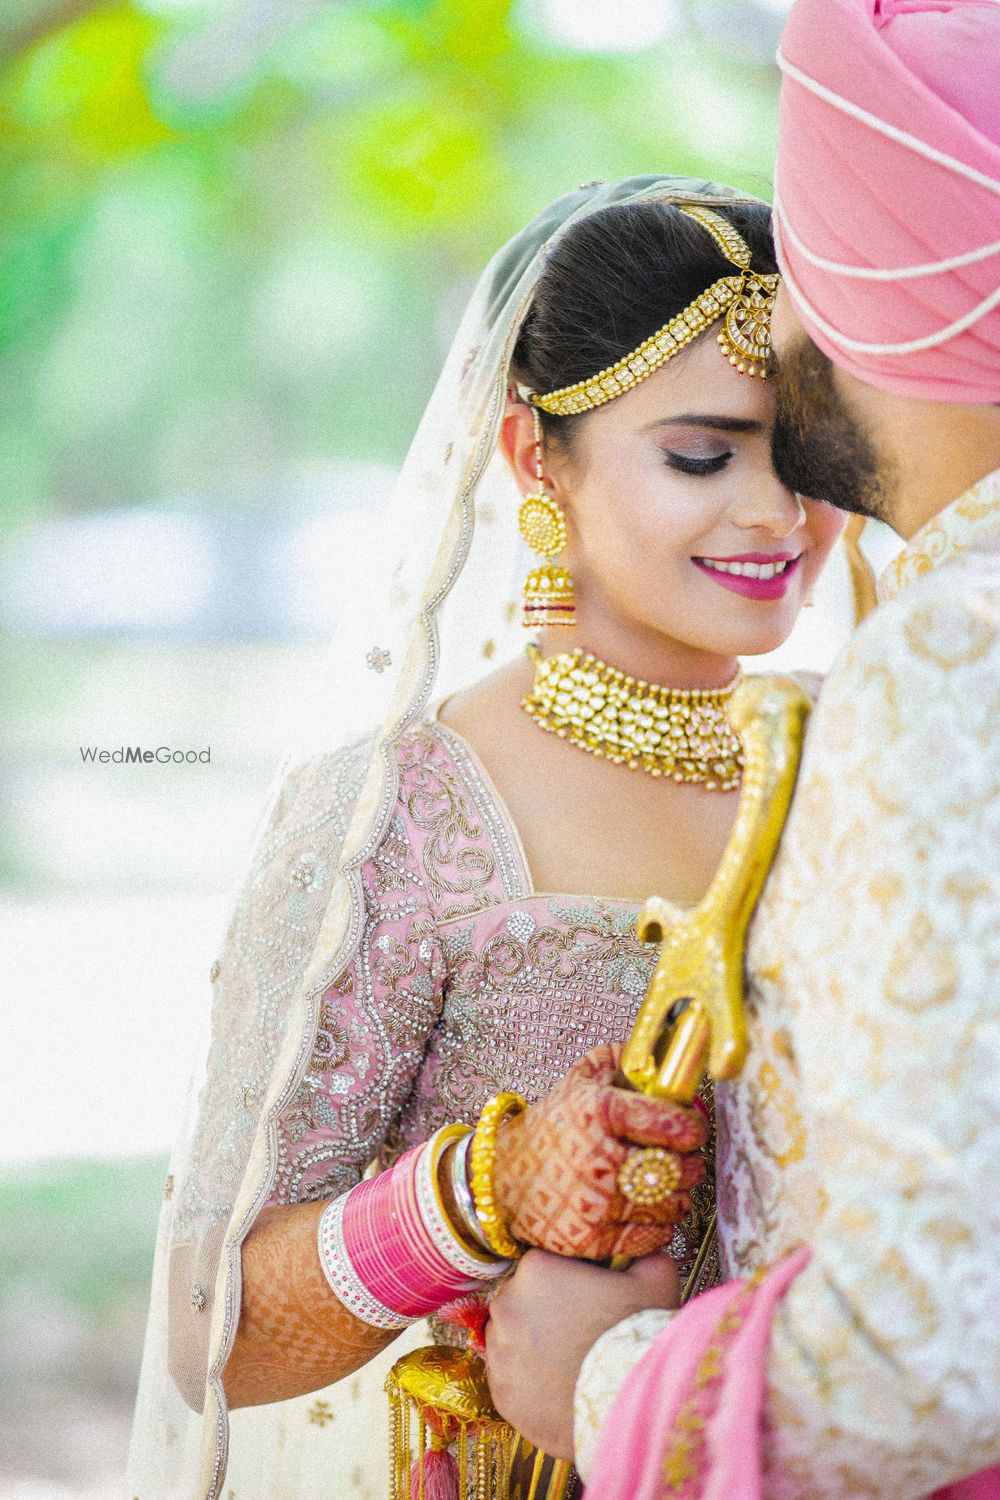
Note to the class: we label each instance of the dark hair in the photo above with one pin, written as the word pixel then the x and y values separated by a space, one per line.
pixel 616 277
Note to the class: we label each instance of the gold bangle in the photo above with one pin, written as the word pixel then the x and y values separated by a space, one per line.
pixel 471 1260
pixel 482 1162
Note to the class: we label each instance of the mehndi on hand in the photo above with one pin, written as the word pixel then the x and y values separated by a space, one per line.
pixel 557 1168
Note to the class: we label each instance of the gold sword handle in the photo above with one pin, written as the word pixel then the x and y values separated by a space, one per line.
pixel 692 1018
pixel 693 1015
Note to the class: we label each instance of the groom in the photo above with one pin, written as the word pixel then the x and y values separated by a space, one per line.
pixel 864 1132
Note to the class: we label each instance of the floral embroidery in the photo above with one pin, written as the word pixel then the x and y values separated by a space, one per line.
pixel 319 1413
pixel 685 1460
pixel 271 934
pixel 521 925
pixel 457 861
pixel 378 659
pixel 628 963
pixel 959 526
pixel 465 983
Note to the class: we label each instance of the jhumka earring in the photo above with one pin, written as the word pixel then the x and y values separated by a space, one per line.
pixel 548 590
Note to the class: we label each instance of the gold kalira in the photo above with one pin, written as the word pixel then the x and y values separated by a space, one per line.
pixel 746 300
pixel 448 1393
pixel 682 734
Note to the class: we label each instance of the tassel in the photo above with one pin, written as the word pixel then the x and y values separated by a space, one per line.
pixel 471 1313
pixel 434 1475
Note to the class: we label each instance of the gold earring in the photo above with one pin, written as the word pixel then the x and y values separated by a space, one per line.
pixel 548 590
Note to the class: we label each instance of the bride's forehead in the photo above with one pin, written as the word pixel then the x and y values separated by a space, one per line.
pixel 698 381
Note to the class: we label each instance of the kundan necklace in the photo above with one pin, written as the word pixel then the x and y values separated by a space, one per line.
pixel 680 733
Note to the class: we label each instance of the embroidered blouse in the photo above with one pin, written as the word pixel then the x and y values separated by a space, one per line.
pixel 467 981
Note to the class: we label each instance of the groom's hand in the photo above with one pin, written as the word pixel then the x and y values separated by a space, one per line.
pixel 557 1165
pixel 544 1320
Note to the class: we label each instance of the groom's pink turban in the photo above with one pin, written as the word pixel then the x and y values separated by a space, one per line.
pixel 887 190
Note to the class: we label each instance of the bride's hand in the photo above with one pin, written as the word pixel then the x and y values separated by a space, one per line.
pixel 557 1165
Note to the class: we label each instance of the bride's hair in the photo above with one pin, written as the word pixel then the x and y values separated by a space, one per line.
pixel 616 277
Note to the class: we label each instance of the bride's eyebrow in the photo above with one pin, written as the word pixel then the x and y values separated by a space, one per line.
pixel 704 419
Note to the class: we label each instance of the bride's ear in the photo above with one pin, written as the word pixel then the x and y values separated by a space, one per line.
pixel 517 443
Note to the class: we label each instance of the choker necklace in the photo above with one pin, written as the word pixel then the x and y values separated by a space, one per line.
pixel 675 732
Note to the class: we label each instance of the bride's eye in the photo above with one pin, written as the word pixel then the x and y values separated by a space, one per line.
pixel 688 463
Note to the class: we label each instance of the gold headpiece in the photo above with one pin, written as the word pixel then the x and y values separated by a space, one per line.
pixel 746 300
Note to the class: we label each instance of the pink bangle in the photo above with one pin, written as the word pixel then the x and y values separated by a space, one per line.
pixel 386 1247
pixel 344 1281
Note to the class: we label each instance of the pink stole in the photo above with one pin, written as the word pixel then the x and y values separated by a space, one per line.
pixel 701 1386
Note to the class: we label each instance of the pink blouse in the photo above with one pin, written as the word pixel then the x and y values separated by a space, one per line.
pixel 467 980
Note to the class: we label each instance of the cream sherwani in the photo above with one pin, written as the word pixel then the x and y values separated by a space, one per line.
pixel 866 1123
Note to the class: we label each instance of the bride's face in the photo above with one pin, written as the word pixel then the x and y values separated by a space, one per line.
pixel 673 508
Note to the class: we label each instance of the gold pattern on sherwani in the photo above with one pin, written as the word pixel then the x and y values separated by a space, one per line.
pixel 967 522
pixel 867 1121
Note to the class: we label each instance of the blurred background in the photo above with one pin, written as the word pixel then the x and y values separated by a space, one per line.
pixel 235 239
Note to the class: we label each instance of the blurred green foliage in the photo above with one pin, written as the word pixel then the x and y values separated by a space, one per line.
pixel 76 1252
pixel 234 238
pixel 81 1231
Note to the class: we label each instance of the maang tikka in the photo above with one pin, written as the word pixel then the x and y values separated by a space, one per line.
pixel 548 589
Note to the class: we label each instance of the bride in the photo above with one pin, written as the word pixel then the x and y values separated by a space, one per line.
pixel 444 908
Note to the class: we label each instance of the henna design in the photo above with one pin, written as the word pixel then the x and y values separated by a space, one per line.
pixel 557 1165
pixel 294 1335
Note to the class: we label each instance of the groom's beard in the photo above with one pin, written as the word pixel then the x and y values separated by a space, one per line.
pixel 818 448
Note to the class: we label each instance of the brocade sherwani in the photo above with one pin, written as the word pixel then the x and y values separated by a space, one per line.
pixel 866 1123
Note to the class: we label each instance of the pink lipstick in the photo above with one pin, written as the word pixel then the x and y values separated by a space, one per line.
pixel 755 575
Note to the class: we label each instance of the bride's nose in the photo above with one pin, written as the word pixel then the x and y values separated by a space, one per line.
pixel 769 507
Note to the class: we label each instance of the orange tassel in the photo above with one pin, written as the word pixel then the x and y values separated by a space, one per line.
pixel 472 1313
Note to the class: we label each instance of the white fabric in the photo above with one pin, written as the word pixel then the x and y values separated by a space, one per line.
pixel 603 1373
pixel 867 1120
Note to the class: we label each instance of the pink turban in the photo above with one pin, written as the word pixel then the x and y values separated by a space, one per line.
pixel 887 190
